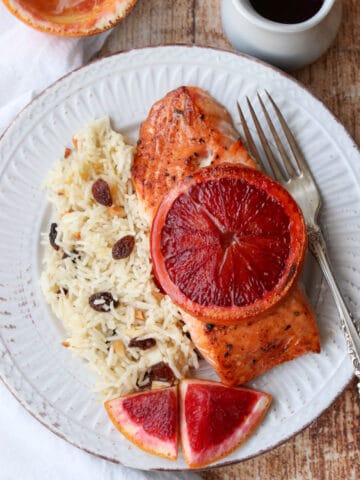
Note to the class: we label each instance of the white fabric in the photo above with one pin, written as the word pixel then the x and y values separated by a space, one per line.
pixel 29 61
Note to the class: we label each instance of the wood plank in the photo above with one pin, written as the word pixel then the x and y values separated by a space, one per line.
pixel 208 25
pixel 154 23
pixel 327 450
pixel 335 78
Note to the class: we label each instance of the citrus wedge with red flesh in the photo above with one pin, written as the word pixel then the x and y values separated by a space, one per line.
pixel 149 420
pixel 215 419
pixel 227 243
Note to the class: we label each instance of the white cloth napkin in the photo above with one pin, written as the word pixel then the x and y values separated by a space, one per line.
pixel 29 61
pixel 32 60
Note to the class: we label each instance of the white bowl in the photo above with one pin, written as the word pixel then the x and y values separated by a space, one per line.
pixel 288 46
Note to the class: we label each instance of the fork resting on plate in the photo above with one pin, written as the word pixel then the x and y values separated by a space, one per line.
pixel 294 174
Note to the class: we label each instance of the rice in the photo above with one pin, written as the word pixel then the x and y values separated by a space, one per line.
pixel 83 265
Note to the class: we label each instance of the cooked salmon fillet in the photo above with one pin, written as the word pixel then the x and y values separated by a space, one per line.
pixel 242 352
pixel 184 131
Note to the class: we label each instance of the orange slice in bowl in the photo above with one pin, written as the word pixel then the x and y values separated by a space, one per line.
pixel 149 420
pixel 227 243
pixel 72 18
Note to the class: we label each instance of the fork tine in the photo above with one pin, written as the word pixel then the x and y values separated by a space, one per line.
pixel 250 141
pixel 300 161
pixel 288 166
pixel 272 162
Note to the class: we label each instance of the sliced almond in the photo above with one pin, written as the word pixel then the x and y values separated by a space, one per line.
pixel 139 314
pixel 62 214
pixel 133 332
pixel 69 179
pixel 158 296
pixel 155 385
pixel 117 211
pixel 119 348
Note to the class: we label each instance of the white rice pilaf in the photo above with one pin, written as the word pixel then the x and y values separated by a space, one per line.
pixel 83 265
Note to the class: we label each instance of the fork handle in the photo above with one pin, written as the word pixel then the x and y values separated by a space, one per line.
pixel 318 247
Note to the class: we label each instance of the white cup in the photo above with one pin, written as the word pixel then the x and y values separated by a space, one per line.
pixel 288 46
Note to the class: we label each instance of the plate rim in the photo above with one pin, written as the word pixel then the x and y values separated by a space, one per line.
pixel 252 59
pixel 209 467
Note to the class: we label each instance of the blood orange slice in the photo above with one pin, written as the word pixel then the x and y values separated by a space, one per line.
pixel 227 243
pixel 149 420
pixel 215 420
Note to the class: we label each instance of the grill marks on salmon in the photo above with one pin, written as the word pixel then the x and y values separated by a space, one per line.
pixel 184 131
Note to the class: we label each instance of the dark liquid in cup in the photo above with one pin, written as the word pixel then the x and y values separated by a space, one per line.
pixel 287 11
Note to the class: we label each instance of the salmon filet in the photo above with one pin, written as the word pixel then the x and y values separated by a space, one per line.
pixel 240 353
pixel 184 131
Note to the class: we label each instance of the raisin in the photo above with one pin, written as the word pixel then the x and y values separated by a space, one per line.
pixel 142 344
pixel 162 372
pixel 101 192
pixel 145 383
pixel 209 327
pixel 62 290
pixel 101 301
pixel 123 247
pixel 53 235
pixel 74 255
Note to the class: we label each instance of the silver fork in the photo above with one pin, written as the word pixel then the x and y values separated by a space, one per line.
pixel 296 177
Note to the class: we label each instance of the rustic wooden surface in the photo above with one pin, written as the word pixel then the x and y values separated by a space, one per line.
pixel 330 448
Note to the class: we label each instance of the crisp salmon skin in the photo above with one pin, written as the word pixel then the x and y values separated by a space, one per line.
pixel 184 131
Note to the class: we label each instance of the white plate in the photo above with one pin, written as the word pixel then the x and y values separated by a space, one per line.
pixel 56 387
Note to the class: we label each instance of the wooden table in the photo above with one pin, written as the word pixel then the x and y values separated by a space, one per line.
pixel 330 448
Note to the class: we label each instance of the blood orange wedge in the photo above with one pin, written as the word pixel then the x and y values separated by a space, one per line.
pixel 227 243
pixel 149 420
pixel 215 420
